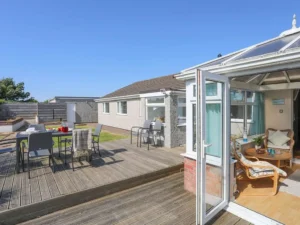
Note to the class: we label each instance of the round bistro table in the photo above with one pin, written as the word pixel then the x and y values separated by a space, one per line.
pixel 276 157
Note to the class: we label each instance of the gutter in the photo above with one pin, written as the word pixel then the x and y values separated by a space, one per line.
pixel 118 98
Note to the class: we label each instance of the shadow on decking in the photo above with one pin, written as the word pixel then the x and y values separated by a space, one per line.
pixel 121 166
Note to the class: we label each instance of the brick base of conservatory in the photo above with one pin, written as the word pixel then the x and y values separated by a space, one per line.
pixel 213 178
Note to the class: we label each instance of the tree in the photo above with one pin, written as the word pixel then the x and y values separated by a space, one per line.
pixel 11 91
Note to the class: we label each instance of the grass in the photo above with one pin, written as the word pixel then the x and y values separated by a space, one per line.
pixel 2 136
pixel 105 136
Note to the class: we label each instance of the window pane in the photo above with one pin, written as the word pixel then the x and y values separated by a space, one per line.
pixel 124 107
pixel 249 112
pixel 182 100
pixel 211 89
pixel 269 47
pixel 156 113
pixel 194 127
pixel 237 96
pixel 154 100
pixel 250 96
pixel 181 113
pixel 106 107
pixel 214 129
pixel 194 90
pixel 237 111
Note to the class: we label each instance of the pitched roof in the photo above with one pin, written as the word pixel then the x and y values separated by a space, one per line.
pixel 153 85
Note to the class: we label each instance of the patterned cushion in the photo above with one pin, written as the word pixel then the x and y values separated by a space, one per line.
pixel 258 172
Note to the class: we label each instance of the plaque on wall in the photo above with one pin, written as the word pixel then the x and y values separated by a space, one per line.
pixel 278 101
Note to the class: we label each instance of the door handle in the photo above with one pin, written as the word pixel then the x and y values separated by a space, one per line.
pixel 203 149
pixel 206 145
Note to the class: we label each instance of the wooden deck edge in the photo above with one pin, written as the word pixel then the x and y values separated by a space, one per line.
pixel 28 212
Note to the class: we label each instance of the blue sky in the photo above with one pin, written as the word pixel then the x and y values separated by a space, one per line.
pixel 90 48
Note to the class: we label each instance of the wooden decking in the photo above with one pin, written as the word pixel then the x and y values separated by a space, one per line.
pixel 121 166
pixel 163 201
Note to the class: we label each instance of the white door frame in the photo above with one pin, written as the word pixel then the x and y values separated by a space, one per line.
pixel 201 77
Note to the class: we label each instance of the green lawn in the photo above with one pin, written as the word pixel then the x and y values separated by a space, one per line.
pixel 105 136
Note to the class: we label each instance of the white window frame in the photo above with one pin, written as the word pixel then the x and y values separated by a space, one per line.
pixel 244 104
pixel 181 105
pixel 155 104
pixel 119 108
pixel 105 108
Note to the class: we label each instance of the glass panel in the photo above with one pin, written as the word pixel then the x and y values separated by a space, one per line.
pixel 154 100
pixel 295 45
pixel 250 96
pixel 156 113
pixel 181 100
pixel 237 96
pixel 181 112
pixel 124 107
pixel 214 119
pixel 269 47
pixel 194 90
pixel 237 112
pixel 257 125
pixel 211 89
pixel 194 127
pixel 106 107
pixel 214 134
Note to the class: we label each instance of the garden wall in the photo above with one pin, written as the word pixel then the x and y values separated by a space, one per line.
pixel 24 110
pixel 45 112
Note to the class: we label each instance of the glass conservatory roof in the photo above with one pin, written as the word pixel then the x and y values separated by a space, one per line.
pixel 287 40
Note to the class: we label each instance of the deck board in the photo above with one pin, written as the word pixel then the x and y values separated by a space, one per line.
pixel 120 161
pixel 163 201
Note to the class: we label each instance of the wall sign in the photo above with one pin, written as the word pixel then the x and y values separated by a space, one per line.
pixel 278 101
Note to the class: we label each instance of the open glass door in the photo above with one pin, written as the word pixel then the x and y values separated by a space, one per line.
pixel 213 141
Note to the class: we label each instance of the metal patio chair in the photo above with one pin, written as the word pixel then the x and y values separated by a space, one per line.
pixel 152 134
pixel 64 141
pixel 139 130
pixel 39 145
pixel 96 138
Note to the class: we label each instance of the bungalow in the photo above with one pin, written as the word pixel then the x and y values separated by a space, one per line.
pixel 241 95
pixel 161 98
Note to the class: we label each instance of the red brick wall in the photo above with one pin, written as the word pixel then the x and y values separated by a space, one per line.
pixel 213 178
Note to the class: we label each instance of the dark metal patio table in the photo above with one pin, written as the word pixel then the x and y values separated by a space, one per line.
pixel 21 136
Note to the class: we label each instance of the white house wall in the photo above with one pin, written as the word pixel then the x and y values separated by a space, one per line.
pixel 274 118
pixel 135 114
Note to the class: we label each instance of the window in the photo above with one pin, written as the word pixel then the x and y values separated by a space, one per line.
pixel 247 112
pixel 181 110
pixel 122 108
pixel 106 107
pixel 156 108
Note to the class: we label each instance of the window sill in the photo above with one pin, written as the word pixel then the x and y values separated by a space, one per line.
pixel 106 113
pixel 122 114
pixel 181 125
pixel 211 160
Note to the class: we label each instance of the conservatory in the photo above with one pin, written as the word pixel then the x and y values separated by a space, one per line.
pixel 230 102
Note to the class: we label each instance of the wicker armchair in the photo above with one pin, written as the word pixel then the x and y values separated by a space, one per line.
pixel 259 169
pixel 289 145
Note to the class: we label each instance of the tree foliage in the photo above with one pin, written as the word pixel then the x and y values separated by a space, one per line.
pixel 12 91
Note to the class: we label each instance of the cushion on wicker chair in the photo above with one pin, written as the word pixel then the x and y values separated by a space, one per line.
pixel 279 138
